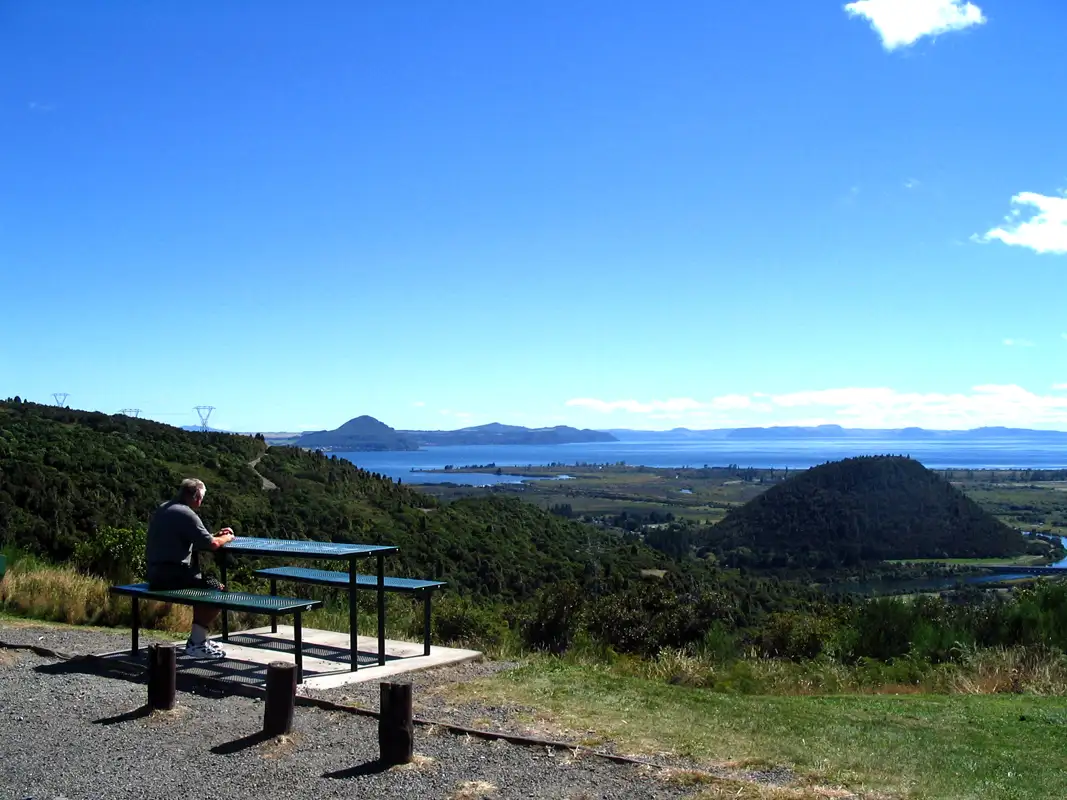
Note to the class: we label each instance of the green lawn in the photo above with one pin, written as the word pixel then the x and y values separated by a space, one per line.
pixel 1017 561
pixel 915 746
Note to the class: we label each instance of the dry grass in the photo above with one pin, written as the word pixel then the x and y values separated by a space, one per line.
pixel 1011 671
pixel 163 716
pixel 418 763
pixel 712 787
pixel 279 746
pixel 62 594
pixel 1015 670
pixel 473 790
pixel 747 790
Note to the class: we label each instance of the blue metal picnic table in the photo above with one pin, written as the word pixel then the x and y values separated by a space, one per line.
pixel 321 550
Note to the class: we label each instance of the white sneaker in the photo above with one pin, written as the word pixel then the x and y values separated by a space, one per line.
pixel 205 650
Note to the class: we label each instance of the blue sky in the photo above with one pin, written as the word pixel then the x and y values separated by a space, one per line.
pixel 605 214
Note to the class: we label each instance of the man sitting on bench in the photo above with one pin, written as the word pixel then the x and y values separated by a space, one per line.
pixel 173 534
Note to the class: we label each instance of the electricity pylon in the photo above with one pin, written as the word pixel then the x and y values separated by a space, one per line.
pixel 205 414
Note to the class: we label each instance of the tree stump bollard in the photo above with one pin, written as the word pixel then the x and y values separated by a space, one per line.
pixel 396 731
pixel 161 676
pixel 281 698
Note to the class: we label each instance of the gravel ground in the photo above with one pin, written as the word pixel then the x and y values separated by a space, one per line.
pixel 107 749
pixel 64 639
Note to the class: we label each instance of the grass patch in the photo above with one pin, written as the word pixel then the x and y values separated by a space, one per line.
pixel 937 746
pixel 1017 561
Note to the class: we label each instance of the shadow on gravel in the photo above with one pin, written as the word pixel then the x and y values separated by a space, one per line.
pixel 369 768
pixel 237 745
pixel 129 716
pixel 125 668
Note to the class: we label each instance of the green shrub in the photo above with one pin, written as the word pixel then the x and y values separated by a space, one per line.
pixel 458 620
pixel 116 554
pixel 555 617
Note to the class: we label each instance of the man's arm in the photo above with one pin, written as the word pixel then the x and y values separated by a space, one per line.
pixel 203 540
pixel 221 538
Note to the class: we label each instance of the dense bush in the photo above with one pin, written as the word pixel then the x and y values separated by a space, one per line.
pixel 117 554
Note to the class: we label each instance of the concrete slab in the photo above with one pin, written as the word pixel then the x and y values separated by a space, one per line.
pixel 326 658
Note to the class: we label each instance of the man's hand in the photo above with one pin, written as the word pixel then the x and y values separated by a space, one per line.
pixel 223 537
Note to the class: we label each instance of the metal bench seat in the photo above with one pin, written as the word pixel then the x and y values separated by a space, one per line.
pixel 328 577
pixel 231 601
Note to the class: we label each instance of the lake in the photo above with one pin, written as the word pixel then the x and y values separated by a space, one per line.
pixel 991 454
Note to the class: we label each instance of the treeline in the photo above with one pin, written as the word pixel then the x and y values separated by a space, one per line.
pixel 713 621
pixel 67 475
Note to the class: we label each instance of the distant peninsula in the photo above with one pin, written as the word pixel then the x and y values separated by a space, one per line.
pixel 495 433
pixel 366 433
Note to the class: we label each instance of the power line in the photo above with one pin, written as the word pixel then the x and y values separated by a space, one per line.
pixel 61 398
pixel 205 413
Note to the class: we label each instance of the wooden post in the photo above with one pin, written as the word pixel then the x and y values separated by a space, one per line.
pixel 396 731
pixel 281 698
pixel 161 676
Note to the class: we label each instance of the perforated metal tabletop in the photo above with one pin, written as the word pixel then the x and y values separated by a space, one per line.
pixel 305 549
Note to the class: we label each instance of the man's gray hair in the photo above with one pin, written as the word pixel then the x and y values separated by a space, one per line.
pixel 191 489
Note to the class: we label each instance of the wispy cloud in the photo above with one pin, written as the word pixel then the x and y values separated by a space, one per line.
pixel 851 196
pixel 1063 335
pixel 1060 387
pixel 1018 343
pixel 418 404
pixel 912 183
pixel 857 407
pixel 901 23
pixel 41 108
pixel 1044 231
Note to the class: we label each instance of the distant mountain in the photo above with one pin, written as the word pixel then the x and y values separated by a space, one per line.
pixel 824 432
pixel 859 510
pixel 495 433
pixel 360 434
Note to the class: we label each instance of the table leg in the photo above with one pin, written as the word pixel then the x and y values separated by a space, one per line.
pixel 381 608
pixel 273 617
pixel 298 636
pixel 225 613
pixel 353 617
pixel 134 645
pixel 426 618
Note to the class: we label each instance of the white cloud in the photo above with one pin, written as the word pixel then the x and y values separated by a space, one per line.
pixel 1045 231
pixel 903 22
pixel 1018 343
pixel 854 407
pixel 912 183
pixel 1060 387
pixel 418 404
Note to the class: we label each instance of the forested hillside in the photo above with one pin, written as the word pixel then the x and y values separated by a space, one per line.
pixel 859 510
pixel 66 474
